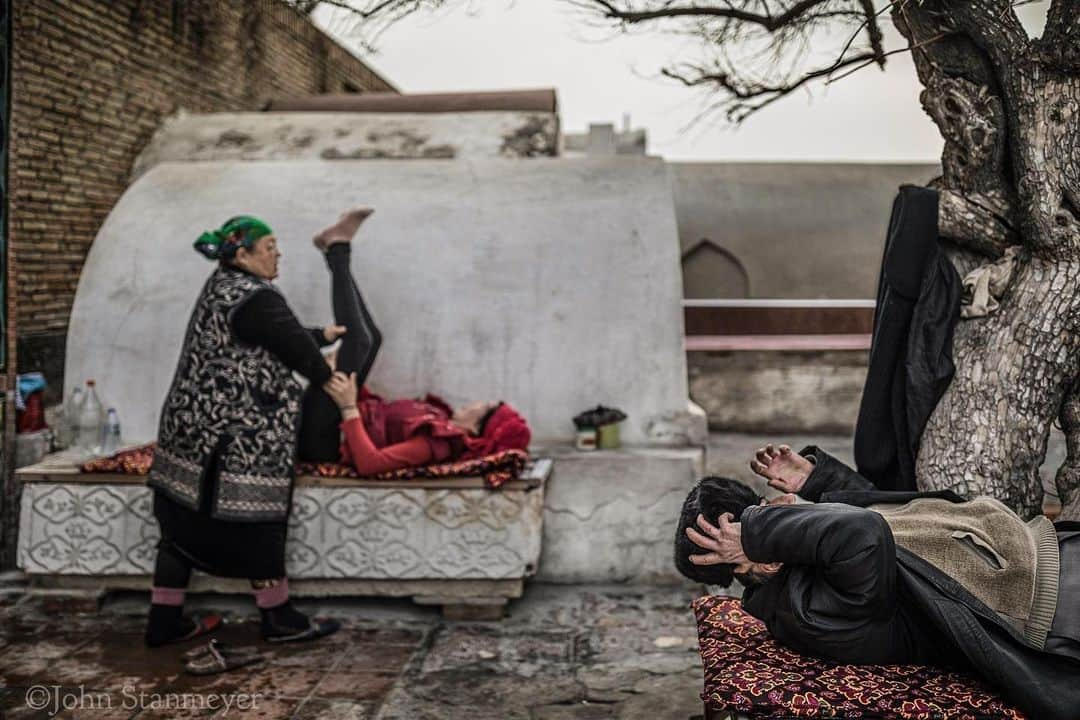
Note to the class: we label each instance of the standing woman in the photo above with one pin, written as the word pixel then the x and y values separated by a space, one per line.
pixel 223 469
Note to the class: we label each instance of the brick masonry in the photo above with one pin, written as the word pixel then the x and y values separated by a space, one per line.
pixel 91 81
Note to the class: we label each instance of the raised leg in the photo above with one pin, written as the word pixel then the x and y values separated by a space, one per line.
pixel 319 436
pixel 362 339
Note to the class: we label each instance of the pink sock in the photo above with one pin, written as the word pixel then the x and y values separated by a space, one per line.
pixel 273 596
pixel 167 596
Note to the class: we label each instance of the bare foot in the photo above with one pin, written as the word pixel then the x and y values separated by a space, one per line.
pixel 344 229
pixel 785 470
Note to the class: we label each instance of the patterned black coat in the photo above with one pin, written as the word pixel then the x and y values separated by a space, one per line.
pixel 231 401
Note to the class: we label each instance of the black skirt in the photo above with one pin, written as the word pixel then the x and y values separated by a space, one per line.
pixel 226 548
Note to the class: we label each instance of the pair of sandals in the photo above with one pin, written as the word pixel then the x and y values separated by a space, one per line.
pixel 217 657
pixel 316 629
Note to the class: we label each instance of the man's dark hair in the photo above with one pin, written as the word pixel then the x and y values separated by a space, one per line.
pixel 712 497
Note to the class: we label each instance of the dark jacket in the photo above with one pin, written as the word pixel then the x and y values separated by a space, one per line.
pixel 846 592
pixel 918 305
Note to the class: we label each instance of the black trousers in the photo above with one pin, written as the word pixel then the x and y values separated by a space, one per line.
pixel 319 436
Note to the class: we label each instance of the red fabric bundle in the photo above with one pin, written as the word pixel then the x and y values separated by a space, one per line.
pixel 496 469
pixel 32 418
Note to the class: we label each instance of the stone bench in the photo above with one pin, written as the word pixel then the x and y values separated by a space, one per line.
pixel 449 541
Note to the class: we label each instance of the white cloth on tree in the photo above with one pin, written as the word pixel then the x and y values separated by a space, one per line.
pixel 984 286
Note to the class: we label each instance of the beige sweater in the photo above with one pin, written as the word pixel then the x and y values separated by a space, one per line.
pixel 1009 565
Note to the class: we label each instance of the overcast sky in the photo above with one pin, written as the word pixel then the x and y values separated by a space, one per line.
pixel 872 115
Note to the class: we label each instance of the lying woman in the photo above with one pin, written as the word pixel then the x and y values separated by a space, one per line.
pixel 354 426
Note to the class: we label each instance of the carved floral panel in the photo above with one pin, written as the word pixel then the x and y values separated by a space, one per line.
pixel 368 533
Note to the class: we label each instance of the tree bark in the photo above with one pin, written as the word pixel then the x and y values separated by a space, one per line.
pixel 1068 475
pixel 988 434
pixel 1010 116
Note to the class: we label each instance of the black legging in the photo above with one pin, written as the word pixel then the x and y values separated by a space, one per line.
pixel 319 435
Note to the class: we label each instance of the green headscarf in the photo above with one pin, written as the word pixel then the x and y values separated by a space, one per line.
pixel 240 231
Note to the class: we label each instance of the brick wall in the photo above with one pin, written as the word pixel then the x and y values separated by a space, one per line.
pixel 91 81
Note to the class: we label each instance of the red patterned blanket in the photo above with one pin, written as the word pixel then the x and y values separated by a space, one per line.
pixel 496 469
pixel 747 672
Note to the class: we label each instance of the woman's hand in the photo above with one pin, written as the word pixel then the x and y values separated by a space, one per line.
pixel 333 332
pixel 785 470
pixel 342 390
pixel 723 541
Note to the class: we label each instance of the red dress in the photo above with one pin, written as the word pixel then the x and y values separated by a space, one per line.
pixel 400 433
pixel 406 433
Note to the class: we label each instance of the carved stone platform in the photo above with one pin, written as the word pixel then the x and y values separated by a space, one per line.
pixel 447 541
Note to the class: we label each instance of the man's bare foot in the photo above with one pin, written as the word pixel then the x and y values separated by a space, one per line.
pixel 785 470
pixel 344 229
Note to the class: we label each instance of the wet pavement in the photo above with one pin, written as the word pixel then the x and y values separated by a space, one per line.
pixel 563 652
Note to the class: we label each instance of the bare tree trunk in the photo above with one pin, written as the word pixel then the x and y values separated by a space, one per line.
pixel 1068 475
pixel 988 434
pixel 1010 114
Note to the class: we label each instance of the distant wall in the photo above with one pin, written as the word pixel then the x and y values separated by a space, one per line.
pixel 92 80
pixel 779 392
pixel 800 230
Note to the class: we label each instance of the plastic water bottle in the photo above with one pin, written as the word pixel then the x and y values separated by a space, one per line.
pixel 69 420
pixel 110 437
pixel 90 420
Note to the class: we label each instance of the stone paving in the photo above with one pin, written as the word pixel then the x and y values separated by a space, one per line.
pixel 563 652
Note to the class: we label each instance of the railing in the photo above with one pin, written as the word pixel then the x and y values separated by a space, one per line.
pixel 778 324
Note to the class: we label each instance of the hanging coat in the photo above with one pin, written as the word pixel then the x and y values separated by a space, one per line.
pixel 918 306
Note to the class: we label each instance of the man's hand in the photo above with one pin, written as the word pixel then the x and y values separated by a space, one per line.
pixel 785 470
pixel 723 541
pixel 333 332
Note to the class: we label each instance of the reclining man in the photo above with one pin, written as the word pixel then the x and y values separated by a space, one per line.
pixel 861 575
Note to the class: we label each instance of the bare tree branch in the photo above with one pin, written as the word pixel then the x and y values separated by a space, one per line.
pixel 1060 44
pixel 759 47
pixel 992 25
pixel 363 11
pixel 874 31
pixel 1063 19
pixel 881 60
pixel 305 6
pixel 749 97
pixel 978 222
pixel 766 20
